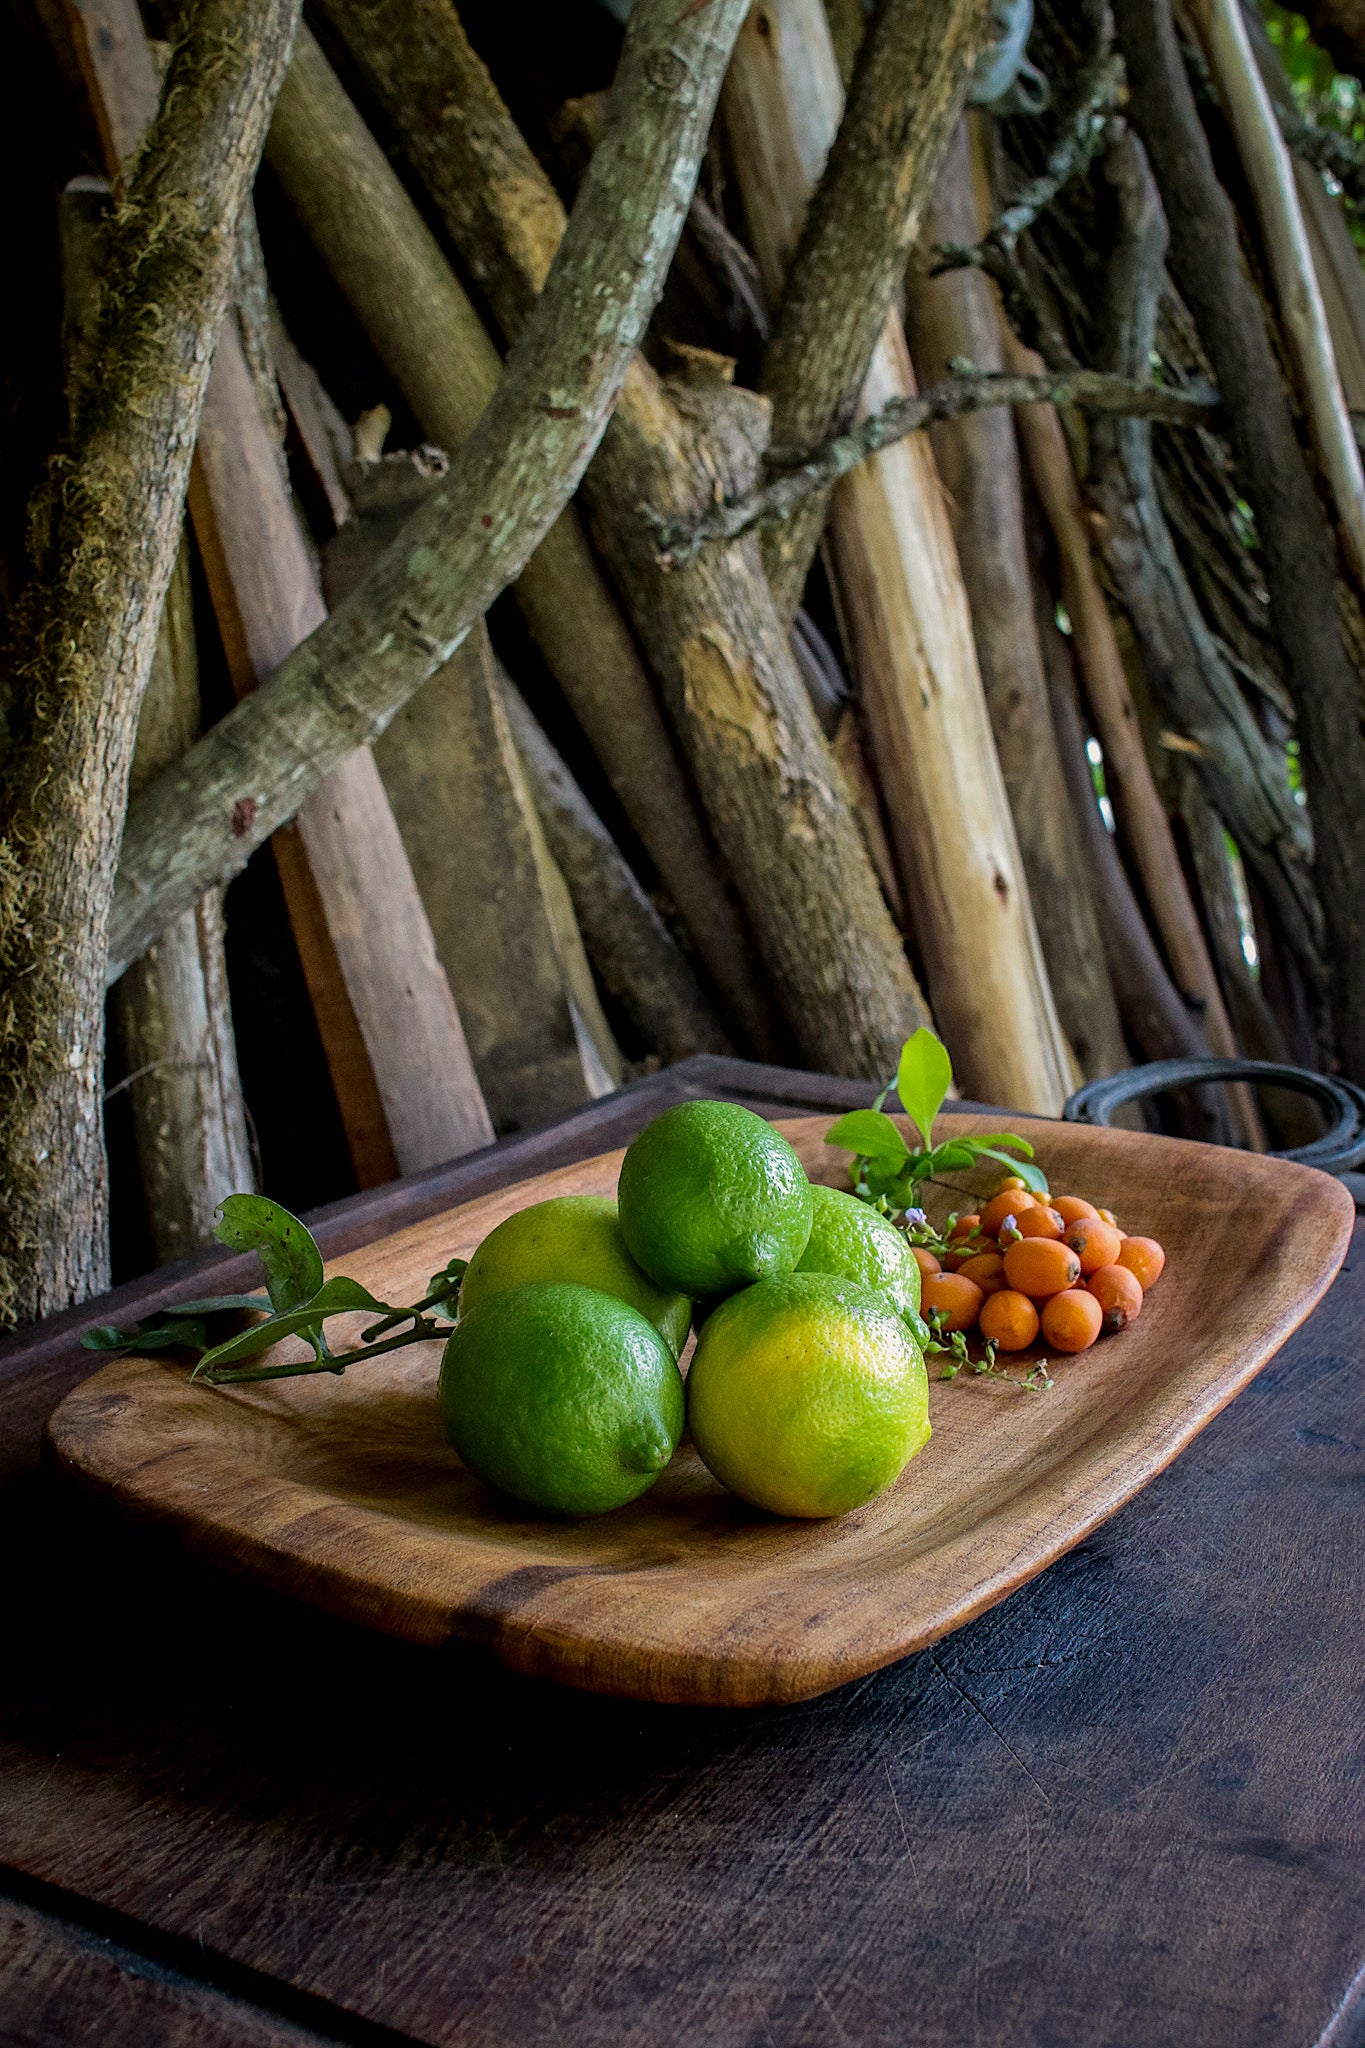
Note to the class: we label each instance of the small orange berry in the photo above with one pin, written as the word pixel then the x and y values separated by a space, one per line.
pixel 1108 1216
pixel 986 1269
pixel 964 1227
pixel 1040 1221
pixel 959 1299
pixel 1009 1202
pixel 925 1260
pixel 1071 1208
pixel 1040 1266
pixel 1144 1257
pixel 1008 1181
pixel 1009 1320
pixel 1094 1242
pixel 1119 1295
pixel 1072 1320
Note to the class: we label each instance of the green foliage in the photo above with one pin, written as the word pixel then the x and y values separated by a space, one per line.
pixel 886 1172
pixel 923 1078
pixel 298 1303
pixel 285 1247
pixel 182 1328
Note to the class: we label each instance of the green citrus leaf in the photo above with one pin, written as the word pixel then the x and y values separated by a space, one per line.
pixel 180 1326
pixel 1033 1177
pixel 869 1133
pixel 293 1263
pixel 335 1298
pixel 923 1079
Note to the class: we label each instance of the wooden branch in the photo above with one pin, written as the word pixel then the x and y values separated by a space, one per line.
pixel 171 1010
pixel 1080 136
pixel 955 398
pixel 907 92
pixel 459 798
pixel 1271 176
pixel 427 333
pixel 108 527
pixel 1127 768
pixel 1153 1013
pixel 954 317
pixel 635 958
pixel 909 629
pixel 778 808
pixel 1296 549
pixel 509 482
pixel 393 1039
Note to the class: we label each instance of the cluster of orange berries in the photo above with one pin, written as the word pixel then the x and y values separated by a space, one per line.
pixel 1029 1264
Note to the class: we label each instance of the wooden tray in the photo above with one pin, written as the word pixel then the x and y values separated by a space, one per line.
pixel 342 1493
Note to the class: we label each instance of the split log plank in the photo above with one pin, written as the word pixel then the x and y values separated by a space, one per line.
pixel 510 952
pixel 637 960
pixel 909 623
pixel 427 333
pixel 267 600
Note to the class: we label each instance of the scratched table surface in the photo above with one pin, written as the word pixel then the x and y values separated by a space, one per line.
pixel 1123 1807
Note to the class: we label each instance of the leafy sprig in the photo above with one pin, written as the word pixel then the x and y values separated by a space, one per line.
pixel 886 1171
pixel 298 1302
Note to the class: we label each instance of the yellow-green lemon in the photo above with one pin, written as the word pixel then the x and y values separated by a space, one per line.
pixel 575 1238
pixel 711 1197
pixel 807 1395
pixel 563 1397
pixel 853 1241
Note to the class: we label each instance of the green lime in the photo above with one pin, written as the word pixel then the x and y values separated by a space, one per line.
pixel 572 1237
pixel 561 1396
pixel 807 1395
pixel 854 1241
pixel 712 1197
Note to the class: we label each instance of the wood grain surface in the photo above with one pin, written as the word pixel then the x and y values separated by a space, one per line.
pixel 342 1492
pixel 1123 1809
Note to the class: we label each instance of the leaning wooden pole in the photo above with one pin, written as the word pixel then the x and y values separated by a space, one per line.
pixel 172 1012
pixel 947 318
pixel 395 1043
pixel 778 805
pixel 430 338
pixel 108 525
pixel 899 576
pixel 1297 552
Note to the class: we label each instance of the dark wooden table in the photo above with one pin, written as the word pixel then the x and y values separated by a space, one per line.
pixel 1124 1807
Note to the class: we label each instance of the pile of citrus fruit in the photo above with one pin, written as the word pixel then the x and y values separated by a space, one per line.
pixel 1034 1265
pixel 807 1393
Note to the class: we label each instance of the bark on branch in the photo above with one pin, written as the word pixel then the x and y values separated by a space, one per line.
pixel 1297 552
pixel 976 391
pixel 907 92
pixel 108 526
pixel 508 483
pixel 777 803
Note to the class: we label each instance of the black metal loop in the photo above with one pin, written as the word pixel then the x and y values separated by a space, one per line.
pixel 1342 1147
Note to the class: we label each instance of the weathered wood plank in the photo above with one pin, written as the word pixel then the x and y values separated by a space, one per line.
pixel 501 921
pixel 407 1033
pixel 61 1983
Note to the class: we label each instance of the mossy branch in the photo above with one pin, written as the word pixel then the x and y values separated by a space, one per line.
pixel 105 528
